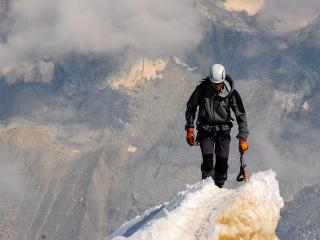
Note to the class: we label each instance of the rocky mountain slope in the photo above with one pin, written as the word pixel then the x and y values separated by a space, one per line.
pixel 88 142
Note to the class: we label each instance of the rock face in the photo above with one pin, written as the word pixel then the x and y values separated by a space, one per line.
pixel 300 220
pixel 143 70
pixel 70 180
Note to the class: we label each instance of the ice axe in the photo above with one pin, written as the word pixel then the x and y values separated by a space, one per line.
pixel 242 176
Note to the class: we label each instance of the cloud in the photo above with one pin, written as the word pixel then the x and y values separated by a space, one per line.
pixel 277 139
pixel 284 16
pixel 275 16
pixel 42 71
pixel 250 6
pixel 41 28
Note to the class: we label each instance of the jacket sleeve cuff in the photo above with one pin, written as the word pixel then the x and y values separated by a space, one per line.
pixel 188 126
pixel 242 136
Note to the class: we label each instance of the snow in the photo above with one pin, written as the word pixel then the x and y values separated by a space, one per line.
pixel 143 70
pixel 183 64
pixel 251 7
pixel 306 106
pixel 204 211
pixel 132 149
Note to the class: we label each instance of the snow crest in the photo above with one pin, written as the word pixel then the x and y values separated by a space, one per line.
pixel 204 211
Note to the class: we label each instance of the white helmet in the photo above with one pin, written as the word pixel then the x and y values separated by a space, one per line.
pixel 217 73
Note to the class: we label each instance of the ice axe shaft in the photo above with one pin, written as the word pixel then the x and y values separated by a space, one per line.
pixel 242 176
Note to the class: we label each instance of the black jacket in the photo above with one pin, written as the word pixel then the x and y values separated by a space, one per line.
pixel 214 108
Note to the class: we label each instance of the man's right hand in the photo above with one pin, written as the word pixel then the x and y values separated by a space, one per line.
pixel 243 146
pixel 190 136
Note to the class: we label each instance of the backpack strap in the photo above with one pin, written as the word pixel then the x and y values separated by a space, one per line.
pixel 230 99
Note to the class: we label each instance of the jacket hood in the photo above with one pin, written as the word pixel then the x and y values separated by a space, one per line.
pixel 228 86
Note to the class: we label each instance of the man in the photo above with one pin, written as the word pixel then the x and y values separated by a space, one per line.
pixel 215 96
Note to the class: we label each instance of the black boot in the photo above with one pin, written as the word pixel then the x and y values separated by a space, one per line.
pixel 207 166
pixel 206 174
pixel 219 178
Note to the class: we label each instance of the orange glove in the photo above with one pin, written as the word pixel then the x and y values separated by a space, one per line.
pixel 190 136
pixel 243 146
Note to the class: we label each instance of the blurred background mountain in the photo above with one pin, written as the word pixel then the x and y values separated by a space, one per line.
pixel 92 112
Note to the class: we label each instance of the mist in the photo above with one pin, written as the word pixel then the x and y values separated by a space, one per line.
pixel 281 17
pixel 278 141
pixel 278 17
pixel 251 7
pixel 55 28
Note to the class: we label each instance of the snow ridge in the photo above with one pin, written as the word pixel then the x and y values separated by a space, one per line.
pixel 204 211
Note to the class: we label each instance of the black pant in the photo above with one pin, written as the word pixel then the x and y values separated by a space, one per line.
pixel 219 143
